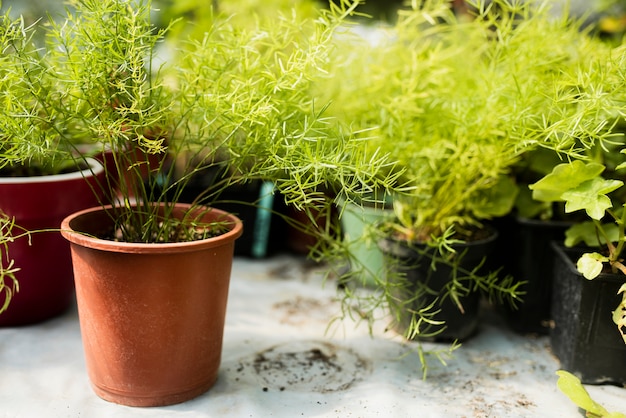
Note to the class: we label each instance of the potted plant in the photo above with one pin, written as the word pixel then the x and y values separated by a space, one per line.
pixel 588 284
pixel 41 181
pixel 460 104
pixel 575 118
pixel 457 108
pixel 590 183
pixel 82 88
pixel 237 98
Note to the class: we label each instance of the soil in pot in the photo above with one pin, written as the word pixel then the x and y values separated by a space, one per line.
pixel 151 315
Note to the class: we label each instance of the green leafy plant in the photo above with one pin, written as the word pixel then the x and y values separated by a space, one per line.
pixel 236 97
pixel 589 133
pixel 581 186
pixel 592 181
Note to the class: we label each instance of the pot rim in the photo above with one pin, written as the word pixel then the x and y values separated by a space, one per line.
pixel 493 235
pixel 570 255
pixel 79 238
pixel 95 169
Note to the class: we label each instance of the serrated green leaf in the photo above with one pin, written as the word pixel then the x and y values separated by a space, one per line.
pixel 563 178
pixel 591 196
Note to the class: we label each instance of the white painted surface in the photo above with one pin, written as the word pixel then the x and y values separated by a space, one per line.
pixel 280 361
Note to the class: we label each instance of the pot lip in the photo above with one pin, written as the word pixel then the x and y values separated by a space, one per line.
pixel 81 239
pixel 95 169
pixel 569 256
pixel 493 236
pixel 544 223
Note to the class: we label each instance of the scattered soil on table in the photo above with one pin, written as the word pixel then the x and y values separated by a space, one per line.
pixel 308 366
pixel 301 310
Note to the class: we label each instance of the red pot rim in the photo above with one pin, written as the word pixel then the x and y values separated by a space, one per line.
pixel 95 169
pixel 84 240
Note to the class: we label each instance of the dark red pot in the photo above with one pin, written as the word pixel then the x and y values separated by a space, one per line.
pixel 46 285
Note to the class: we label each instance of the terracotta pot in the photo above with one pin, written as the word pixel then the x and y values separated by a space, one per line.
pixel 151 315
pixel 302 238
pixel 135 163
pixel 46 285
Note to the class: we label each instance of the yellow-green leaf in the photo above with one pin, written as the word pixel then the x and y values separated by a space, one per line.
pixel 619 314
pixel 591 196
pixel 571 386
pixel 590 265
pixel 564 177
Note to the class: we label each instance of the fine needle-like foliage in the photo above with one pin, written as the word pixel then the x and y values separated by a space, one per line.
pixel 238 97
pixel 457 102
pixel 591 183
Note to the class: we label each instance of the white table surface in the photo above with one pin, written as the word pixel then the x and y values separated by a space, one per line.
pixel 280 308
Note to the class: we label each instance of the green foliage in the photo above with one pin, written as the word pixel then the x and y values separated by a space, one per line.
pixel 571 386
pixel 590 102
pixel 458 103
pixel 586 233
pixel 462 105
pixel 26 132
pixel 238 96
pixel 580 186
pixel 193 17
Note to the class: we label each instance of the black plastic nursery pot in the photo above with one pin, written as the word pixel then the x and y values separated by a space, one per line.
pixel 409 268
pixel 584 337
pixel 531 260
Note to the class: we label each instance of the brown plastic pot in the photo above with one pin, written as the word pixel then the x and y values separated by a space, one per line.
pixel 46 285
pixel 151 315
